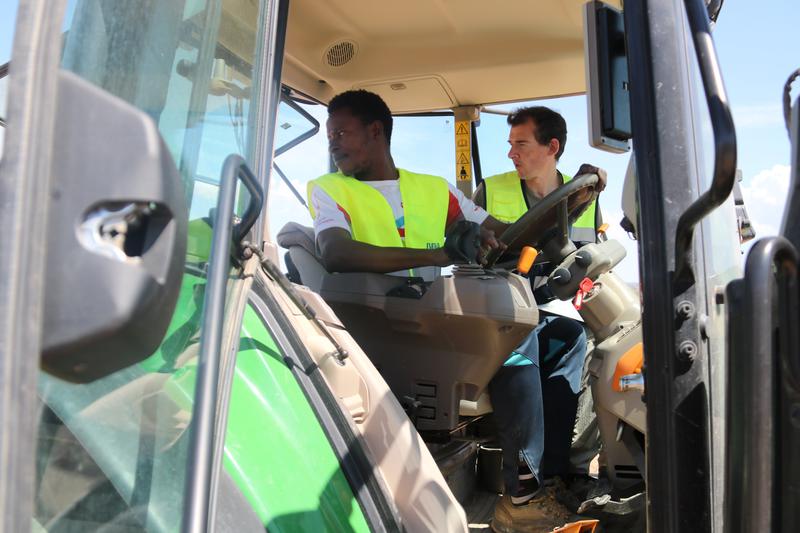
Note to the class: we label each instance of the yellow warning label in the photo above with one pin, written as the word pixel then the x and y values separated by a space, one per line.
pixel 463 149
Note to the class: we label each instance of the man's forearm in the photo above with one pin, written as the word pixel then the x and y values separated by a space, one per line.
pixel 495 225
pixel 347 255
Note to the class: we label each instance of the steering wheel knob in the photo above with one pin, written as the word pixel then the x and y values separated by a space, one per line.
pixel 583 258
pixel 561 276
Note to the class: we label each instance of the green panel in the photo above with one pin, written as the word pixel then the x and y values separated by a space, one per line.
pixel 275 448
pixel 184 328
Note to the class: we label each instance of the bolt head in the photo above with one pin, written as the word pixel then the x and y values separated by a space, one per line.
pixel 685 309
pixel 687 351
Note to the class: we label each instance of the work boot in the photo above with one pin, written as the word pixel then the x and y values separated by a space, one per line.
pixel 542 513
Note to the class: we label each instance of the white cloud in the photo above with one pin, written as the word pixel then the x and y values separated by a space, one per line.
pixel 765 198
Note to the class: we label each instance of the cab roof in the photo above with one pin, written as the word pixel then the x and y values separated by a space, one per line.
pixel 424 55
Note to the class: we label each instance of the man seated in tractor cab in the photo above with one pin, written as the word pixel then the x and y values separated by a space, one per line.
pixel 371 216
pixel 537 140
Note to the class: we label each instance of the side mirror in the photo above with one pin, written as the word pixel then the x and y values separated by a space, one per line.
pixel 117 236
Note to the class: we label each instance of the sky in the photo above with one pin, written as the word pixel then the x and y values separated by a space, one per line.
pixel 756 53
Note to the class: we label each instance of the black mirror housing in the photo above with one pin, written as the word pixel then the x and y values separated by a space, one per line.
pixel 117 236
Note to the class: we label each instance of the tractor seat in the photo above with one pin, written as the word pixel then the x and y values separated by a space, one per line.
pixel 435 343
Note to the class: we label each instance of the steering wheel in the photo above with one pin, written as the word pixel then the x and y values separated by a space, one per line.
pixel 550 218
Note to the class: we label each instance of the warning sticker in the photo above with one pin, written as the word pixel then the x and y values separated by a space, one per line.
pixel 463 150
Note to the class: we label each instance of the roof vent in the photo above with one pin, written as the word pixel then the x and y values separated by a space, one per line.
pixel 340 53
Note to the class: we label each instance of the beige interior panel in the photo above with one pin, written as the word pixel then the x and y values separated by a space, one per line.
pixel 401 457
pixel 482 53
pixel 407 95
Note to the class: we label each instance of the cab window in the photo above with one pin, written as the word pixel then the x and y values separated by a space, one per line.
pixel 112 454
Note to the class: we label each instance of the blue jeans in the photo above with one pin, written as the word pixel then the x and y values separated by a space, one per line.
pixel 535 399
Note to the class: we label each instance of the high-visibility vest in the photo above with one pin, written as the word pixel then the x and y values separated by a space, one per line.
pixel 505 201
pixel 425 201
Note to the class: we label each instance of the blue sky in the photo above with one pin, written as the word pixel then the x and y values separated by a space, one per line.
pixel 756 52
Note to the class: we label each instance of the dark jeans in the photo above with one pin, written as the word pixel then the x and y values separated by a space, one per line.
pixel 535 405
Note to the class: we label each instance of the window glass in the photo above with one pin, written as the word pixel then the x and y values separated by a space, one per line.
pixel 420 144
pixel 719 230
pixel 112 454
pixel 8 19
pixel 300 164
pixel 425 145
pixel 295 124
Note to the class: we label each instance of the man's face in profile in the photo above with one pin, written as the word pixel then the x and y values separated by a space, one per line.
pixel 530 158
pixel 351 143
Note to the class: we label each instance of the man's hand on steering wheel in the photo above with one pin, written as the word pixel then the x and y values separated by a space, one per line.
pixel 602 175
pixel 468 242
pixel 489 242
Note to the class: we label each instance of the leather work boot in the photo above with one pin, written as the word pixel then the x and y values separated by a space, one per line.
pixel 542 513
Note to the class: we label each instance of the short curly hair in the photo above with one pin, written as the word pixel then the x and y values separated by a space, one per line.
pixel 549 125
pixel 366 106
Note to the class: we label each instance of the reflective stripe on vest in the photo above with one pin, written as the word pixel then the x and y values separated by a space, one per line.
pixel 505 202
pixel 425 202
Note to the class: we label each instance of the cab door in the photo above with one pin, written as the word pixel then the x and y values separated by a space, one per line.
pixel 95 266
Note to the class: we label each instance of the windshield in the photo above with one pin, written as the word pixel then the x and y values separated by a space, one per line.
pixel 426 144
pixel 112 454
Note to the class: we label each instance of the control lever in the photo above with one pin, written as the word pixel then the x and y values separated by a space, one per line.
pixel 585 287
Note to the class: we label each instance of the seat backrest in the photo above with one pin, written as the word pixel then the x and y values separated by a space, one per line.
pixel 299 241
pixel 308 266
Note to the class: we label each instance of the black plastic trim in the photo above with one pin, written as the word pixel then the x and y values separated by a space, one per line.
pixel 763 392
pixel 3 74
pixel 791 217
pixel 678 441
pixel 253 210
pixel 476 155
pixel 427 114
pixel 286 99
pixel 713 9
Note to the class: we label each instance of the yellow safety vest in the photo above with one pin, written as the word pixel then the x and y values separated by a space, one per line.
pixel 425 202
pixel 505 202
